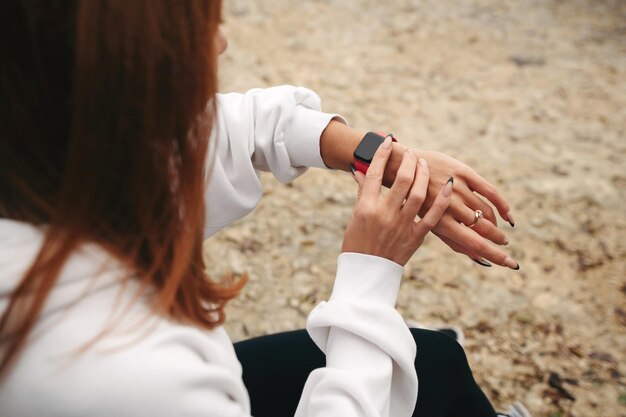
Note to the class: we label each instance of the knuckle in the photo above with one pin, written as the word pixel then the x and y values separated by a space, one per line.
pixel 475 245
pixel 489 213
pixel 439 226
pixel 458 249
pixel 429 222
pixel 417 196
pixel 441 205
pixel 466 170
pixel 374 173
pixel 363 212
pixel 404 180
pixel 490 189
pixel 500 239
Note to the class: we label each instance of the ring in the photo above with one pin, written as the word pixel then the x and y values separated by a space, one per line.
pixel 478 214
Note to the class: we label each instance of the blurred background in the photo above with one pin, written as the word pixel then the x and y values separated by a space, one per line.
pixel 530 93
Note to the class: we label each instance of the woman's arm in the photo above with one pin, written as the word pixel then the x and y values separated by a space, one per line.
pixel 283 130
pixel 369 350
pixel 337 144
pixel 274 129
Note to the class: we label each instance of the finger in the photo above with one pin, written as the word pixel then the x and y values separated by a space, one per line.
pixel 418 191
pixel 359 178
pixel 476 245
pixel 465 215
pixel 487 230
pixel 483 227
pixel 474 202
pixel 434 213
pixel 404 179
pixel 374 176
pixel 453 245
pixel 483 187
pixel 459 249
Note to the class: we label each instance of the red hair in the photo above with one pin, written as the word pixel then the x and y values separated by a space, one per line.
pixel 106 112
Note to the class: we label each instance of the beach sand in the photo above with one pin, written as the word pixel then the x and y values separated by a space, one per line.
pixel 531 94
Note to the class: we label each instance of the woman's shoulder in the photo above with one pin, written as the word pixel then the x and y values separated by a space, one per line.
pixel 98 348
pixel 145 365
pixel 173 370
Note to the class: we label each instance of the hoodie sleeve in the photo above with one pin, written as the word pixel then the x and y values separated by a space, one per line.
pixel 370 352
pixel 275 129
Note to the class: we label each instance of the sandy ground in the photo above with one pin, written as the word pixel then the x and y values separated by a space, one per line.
pixel 532 94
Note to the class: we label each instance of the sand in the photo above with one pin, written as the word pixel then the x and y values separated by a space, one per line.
pixel 532 94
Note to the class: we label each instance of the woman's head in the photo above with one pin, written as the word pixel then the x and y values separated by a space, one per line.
pixel 106 113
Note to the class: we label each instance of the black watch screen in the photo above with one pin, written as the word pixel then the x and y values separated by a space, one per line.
pixel 368 147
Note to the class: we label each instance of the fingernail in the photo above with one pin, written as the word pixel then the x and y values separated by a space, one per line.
pixel 422 162
pixel 511 263
pixel 482 262
pixel 509 218
pixel 447 189
pixel 387 142
pixel 506 241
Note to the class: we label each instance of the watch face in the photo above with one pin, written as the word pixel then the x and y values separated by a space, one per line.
pixel 368 147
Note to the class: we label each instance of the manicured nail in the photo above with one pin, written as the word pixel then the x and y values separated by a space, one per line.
pixel 506 241
pixel 422 162
pixel 387 142
pixel 482 262
pixel 447 189
pixel 352 169
pixel 511 263
pixel 509 218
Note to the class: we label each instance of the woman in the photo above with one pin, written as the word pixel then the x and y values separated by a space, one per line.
pixel 106 308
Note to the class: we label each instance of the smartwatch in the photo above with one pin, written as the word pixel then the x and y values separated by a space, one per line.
pixel 367 148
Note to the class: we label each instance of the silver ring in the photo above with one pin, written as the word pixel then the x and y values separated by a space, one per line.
pixel 478 214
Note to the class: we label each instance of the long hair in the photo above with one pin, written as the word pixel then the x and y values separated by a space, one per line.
pixel 106 109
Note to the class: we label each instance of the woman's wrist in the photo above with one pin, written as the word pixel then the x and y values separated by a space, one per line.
pixel 338 142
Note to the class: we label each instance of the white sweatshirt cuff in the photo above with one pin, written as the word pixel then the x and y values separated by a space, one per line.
pixel 367 278
pixel 360 320
pixel 302 136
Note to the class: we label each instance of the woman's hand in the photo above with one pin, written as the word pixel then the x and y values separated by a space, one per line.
pixel 456 227
pixel 337 145
pixel 386 226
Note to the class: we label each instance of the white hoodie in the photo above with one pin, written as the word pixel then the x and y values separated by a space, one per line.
pixel 149 365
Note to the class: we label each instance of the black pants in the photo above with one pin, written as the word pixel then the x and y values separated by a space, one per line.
pixel 275 368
